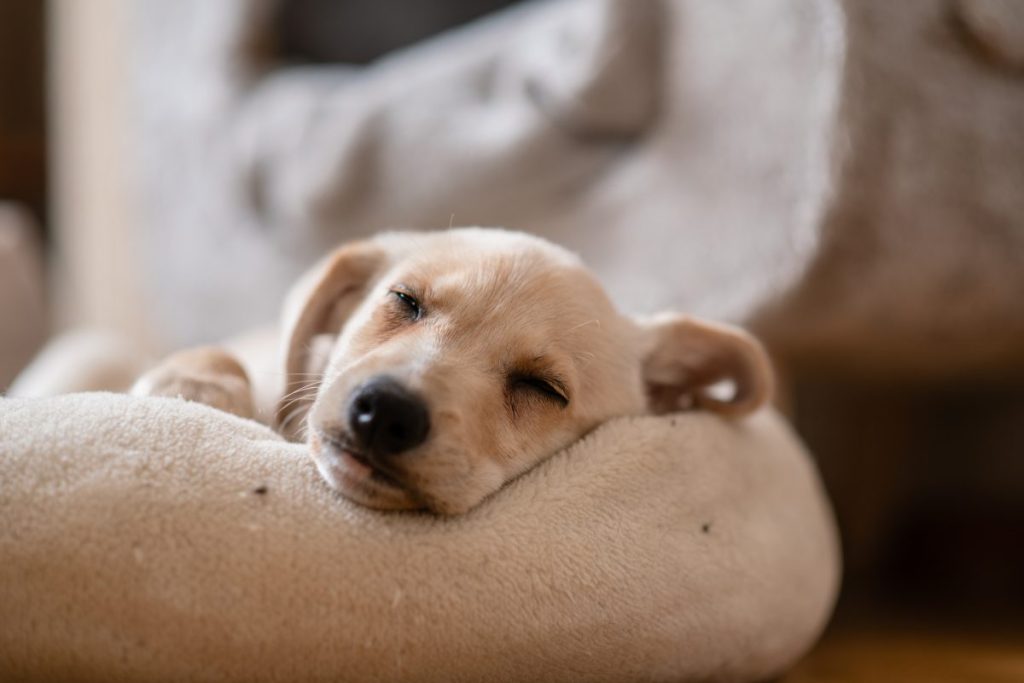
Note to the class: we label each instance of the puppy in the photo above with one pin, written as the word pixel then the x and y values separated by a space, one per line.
pixel 425 370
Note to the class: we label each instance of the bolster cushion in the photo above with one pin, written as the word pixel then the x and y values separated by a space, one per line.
pixel 154 539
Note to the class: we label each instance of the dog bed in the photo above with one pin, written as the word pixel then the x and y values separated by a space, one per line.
pixel 153 539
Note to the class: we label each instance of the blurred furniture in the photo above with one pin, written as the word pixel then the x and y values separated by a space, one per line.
pixel 816 168
pixel 913 653
pixel 97 270
pixel 22 184
pixel 22 298
pixel 22 108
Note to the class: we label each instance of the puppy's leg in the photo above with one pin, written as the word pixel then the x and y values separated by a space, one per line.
pixel 206 374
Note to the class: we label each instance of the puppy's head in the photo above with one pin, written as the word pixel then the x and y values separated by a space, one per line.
pixel 426 370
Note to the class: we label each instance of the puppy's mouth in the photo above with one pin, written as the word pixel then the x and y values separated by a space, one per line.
pixel 356 474
pixel 363 464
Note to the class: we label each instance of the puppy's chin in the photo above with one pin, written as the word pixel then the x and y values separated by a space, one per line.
pixel 356 481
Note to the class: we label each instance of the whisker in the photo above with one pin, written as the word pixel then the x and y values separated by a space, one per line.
pixel 291 416
pixel 595 321
pixel 308 387
pixel 295 401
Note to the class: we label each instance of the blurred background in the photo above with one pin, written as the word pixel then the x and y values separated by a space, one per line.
pixel 846 178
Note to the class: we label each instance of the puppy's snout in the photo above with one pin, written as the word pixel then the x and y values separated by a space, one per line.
pixel 386 418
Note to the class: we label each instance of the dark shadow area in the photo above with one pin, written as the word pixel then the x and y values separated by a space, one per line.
pixel 22 104
pixel 360 31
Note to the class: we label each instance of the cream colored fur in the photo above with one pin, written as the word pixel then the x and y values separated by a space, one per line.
pixel 494 314
pixel 154 539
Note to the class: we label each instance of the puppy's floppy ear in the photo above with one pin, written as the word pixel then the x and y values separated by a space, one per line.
pixel 684 357
pixel 319 303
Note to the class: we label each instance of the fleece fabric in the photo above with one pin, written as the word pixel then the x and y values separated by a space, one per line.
pixel 159 540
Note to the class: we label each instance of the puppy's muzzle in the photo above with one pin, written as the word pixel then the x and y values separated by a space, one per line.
pixel 386 419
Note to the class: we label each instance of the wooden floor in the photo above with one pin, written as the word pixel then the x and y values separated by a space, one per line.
pixel 912 655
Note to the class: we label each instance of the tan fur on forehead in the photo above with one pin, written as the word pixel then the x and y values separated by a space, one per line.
pixel 515 282
pixel 516 294
pixel 474 242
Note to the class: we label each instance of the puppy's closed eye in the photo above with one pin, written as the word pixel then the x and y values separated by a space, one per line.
pixel 548 389
pixel 409 304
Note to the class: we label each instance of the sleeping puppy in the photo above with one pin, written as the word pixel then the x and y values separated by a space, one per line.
pixel 425 370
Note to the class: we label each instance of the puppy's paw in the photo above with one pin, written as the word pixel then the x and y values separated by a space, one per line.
pixel 205 375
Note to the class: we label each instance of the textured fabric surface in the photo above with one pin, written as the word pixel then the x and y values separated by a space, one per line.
pixel 152 539
pixel 842 175
pixel 681 147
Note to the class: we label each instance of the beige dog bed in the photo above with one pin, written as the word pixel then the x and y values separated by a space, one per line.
pixel 151 539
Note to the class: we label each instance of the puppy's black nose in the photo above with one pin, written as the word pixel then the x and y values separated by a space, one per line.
pixel 386 418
